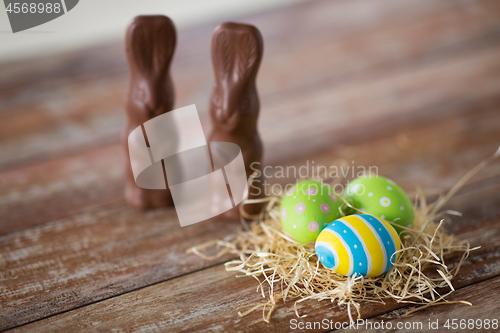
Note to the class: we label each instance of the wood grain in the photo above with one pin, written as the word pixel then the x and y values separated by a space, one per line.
pixel 103 253
pixel 58 188
pixel 93 255
pixel 411 88
pixel 416 156
pixel 485 306
pixel 211 297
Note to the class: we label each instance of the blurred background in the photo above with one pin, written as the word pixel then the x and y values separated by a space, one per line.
pixel 96 22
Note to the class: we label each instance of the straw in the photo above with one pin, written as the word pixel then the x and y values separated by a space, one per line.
pixel 286 269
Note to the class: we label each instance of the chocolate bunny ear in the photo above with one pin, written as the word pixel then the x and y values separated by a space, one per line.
pixel 250 52
pixel 150 43
pixel 236 47
pixel 222 58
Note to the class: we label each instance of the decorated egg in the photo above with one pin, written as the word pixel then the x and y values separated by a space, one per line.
pixel 360 243
pixel 381 197
pixel 307 208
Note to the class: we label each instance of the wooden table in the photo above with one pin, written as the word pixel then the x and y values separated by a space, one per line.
pixel 412 87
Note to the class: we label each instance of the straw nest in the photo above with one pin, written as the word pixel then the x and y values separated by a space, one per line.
pixel 285 269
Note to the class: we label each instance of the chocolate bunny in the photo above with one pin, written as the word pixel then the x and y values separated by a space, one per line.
pixel 150 45
pixel 234 106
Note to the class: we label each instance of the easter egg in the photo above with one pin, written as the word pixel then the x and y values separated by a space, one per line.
pixel 360 243
pixel 307 208
pixel 380 197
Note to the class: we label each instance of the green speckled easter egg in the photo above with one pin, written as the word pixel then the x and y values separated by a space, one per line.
pixel 307 208
pixel 381 197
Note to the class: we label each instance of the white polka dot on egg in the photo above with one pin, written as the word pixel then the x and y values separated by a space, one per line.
pixel 385 202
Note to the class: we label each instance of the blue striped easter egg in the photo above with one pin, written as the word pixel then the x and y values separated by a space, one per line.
pixel 360 243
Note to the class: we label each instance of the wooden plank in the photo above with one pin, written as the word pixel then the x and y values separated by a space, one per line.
pixel 209 299
pixel 99 253
pixel 414 156
pixel 79 103
pixel 58 188
pixel 104 251
pixel 423 155
pixel 482 295
pixel 339 19
pixel 382 104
